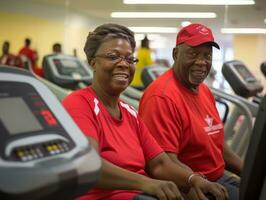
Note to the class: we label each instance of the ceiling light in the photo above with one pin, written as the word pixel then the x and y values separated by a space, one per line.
pixel 140 36
pixel 163 15
pixel 154 29
pixel 193 2
pixel 244 30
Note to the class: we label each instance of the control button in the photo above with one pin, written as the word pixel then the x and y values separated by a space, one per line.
pixel 65 146
pixel 20 154
pixel 54 147
pixel 49 148
pixel 49 118
pixel 39 153
pixel 29 157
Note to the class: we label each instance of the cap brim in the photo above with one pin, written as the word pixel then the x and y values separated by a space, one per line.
pixel 215 45
pixel 194 43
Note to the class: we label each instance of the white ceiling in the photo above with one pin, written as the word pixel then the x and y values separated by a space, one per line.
pixel 251 16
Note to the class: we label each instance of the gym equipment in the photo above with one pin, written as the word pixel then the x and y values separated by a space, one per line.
pixel 43 154
pixel 253 177
pixel 241 79
pixel 66 71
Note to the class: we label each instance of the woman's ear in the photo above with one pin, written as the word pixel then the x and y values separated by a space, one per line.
pixel 92 64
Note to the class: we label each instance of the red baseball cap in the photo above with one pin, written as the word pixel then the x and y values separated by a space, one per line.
pixel 196 34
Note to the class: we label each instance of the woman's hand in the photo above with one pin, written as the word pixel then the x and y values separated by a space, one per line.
pixel 163 190
pixel 203 186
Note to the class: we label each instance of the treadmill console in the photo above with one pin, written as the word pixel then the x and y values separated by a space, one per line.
pixel 241 79
pixel 25 117
pixel 66 71
pixel 149 74
pixel 42 151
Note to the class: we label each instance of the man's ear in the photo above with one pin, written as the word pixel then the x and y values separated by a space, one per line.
pixel 174 53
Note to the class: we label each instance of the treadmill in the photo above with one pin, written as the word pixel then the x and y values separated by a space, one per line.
pixel 242 81
pixel 43 154
pixel 253 177
pixel 67 71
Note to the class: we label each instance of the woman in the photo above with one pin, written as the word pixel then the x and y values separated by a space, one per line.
pixel 132 161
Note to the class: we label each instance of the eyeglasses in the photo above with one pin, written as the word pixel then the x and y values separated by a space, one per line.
pixel 116 58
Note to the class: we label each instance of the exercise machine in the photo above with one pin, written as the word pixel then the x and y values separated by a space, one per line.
pixel 66 71
pixel 43 154
pixel 242 81
pixel 253 177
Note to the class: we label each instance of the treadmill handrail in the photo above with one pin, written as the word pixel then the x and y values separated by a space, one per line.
pixel 249 109
pixel 58 91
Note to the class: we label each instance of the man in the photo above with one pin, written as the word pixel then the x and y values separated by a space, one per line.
pixel 179 110
pixel 57 48
pixel 8 58
pixel 28 52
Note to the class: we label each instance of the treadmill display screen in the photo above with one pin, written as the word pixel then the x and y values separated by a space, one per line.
pixel 243 71
pixel 14 109
pixel 69 63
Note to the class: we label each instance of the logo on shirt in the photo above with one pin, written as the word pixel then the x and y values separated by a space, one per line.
pixel 96 107
pixel 211 129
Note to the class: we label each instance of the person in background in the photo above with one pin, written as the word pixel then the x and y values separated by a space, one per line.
pixel 30 56
pixel 57 48
pixel 28 52
pixel 75 52
pixel 145 60
pixel 37 69
pixel 9 59
pixel 180 112
pixel 132 161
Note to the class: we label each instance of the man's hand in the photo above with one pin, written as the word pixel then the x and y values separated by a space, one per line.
pixel 163 190
pixel 203 186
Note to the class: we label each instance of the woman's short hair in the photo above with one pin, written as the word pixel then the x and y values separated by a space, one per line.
pixel 105 32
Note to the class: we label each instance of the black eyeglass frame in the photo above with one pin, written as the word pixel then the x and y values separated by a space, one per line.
pixel 117 58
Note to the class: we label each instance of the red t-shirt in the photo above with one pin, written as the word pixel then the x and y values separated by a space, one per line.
pixel 29 53
pixel 185 123
pixel 126 143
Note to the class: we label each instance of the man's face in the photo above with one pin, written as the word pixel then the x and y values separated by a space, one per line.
pixel 5 48
pixel 192 64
